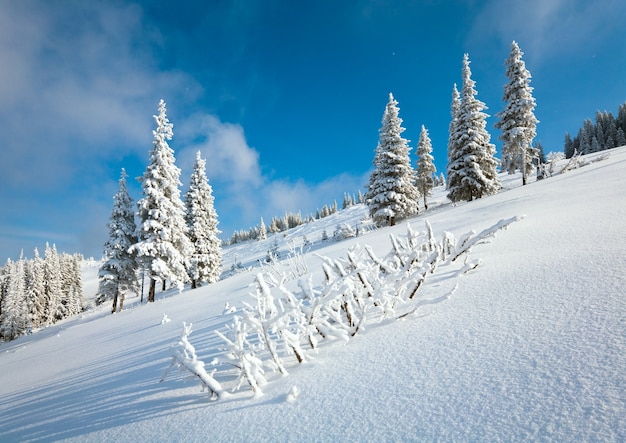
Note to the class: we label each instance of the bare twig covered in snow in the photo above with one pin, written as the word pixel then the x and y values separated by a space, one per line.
pixel 184 356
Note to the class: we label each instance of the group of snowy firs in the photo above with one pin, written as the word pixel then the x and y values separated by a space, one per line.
pixel 395 188
pixel 39 292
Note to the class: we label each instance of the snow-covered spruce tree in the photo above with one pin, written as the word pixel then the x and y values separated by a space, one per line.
pixel 205 263
pixel 621 138
pixel 163 246
pixel 118 273
pixel 35 290
pixel 568 147
pixel 517 121
pixel 262 230
pixel 392 194
pixel 14 317
pixel 425 166
pixel 72 283
pixel 55 308
pixel 454 176
pixel 473 166
pixel 585 136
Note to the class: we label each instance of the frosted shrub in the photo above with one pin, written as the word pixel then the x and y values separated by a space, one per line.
pixel 343 232
pixel 241 354
pixel 284 326
pixel 184 357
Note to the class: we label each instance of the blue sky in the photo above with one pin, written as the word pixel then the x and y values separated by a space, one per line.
pixel 283 98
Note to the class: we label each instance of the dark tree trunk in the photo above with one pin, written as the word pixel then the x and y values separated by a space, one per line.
pixel 114 308
pixel 151 290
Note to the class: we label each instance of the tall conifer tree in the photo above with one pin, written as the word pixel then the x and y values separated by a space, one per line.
pixel 425 166
pixel 473 166
pixel 206 260
pixel 454 176
pixel 14 319
pixel 36 290
pixel 118 273
pixel 163 244
pixel 55 307
pixel 392 194
pixel 517 121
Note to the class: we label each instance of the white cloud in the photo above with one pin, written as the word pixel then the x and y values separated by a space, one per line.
pixel 243 193
pixel 547 28
pixel 224 146
pixel 77 82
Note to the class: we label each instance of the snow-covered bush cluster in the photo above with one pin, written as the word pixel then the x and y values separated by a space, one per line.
pixel 283 325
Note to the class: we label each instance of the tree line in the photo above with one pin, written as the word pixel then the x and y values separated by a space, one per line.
pixel 395 188
pixel 607 132
pixel 39 292
pixel 291 220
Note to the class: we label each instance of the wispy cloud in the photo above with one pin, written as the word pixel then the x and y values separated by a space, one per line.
pixel 548 28
pixel 229 158
pixel 243 191
pixel 74 83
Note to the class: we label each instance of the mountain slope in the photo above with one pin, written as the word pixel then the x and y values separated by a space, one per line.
pixel 532 345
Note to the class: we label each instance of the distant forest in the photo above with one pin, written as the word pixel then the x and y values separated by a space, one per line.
pixel 606 133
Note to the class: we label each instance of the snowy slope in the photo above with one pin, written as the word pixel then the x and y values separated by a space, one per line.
pixel 531 346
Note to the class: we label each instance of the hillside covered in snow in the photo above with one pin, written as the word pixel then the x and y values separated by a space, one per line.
pixel 530 345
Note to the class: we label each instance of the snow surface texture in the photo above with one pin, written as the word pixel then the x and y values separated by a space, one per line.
pixel 531 346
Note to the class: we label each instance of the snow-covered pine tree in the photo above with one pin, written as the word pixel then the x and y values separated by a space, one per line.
pixel 620 121
pixel 205 264
pixel 118 273
pixel 14 316
pixel 621 138
pixel 454 176
pixel 35 291
pixel 568 147
pixel 517 121
pixel 55 307
pixel 392 194
pixel 425 166
pixel 262 230
pixel 585 136
pixel 163 245
pixel 71 282
pixel 611 133
pixel 76 291
pixel 474 164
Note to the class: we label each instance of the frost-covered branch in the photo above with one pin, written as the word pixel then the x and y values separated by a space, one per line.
pixel 470 240
pixel 184 356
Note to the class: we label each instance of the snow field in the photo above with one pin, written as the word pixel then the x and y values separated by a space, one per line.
pixel 531 346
